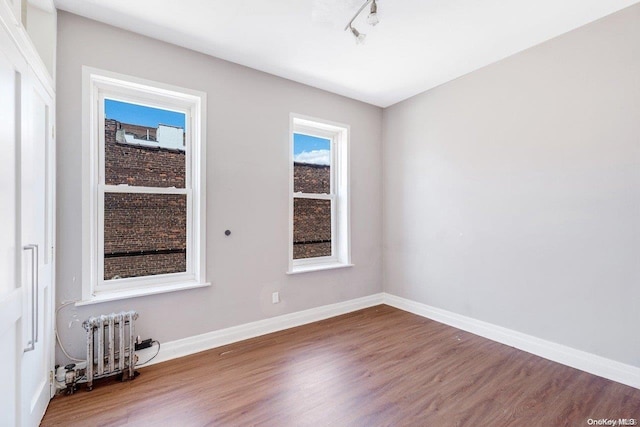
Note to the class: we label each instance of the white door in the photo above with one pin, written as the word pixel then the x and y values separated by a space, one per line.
pixel 26 239
pixel 10 291
pixel 36 244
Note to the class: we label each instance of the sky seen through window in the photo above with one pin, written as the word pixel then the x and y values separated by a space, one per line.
pixel 311 149
pixel 141 115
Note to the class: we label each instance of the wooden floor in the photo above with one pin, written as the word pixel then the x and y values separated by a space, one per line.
pixel 375 367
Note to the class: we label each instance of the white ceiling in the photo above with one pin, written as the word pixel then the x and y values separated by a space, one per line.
pixel 418 44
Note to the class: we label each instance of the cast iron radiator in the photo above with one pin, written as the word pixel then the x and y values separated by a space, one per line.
pixel 110 345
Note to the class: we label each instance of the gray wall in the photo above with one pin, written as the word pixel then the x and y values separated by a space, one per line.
pixel 512 195
pixel 247 186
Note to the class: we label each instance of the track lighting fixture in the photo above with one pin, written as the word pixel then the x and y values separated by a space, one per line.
pixel 372 19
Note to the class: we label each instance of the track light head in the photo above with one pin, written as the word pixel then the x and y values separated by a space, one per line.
pixel 359 36
pixel 372 19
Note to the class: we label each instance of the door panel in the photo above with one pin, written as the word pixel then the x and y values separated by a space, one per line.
pixel 27 293
pixel 37 268
pixel 10 293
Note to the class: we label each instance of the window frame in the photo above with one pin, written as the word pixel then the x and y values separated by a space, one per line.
pixel 99 85
pixel 338 135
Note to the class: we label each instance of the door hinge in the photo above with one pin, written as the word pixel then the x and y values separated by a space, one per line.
pixel 53 132
pixel 50 377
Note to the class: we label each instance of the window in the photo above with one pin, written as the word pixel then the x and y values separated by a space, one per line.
pixel 319 204
pixel 143 206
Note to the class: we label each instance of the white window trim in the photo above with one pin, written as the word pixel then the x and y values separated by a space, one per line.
pixel 338 134
pixel 97 83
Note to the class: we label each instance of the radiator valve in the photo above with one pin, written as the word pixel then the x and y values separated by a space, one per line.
pixel 70 378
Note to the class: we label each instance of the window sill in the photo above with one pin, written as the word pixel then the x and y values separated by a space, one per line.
pixel 105 296
pixel 317 267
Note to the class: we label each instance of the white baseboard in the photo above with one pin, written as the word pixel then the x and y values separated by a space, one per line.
pixel 596 365
pixel 190 345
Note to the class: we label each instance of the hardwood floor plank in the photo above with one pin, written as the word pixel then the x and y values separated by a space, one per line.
pixel 374 367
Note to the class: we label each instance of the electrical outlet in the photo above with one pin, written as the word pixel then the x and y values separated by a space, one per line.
pixel 275 297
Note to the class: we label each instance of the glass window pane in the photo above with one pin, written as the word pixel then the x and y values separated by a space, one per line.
pixel 144 234
pixel 311 228
pixel 311 164
pixel 144 146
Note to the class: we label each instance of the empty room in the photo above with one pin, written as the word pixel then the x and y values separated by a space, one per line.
pixel 320 213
